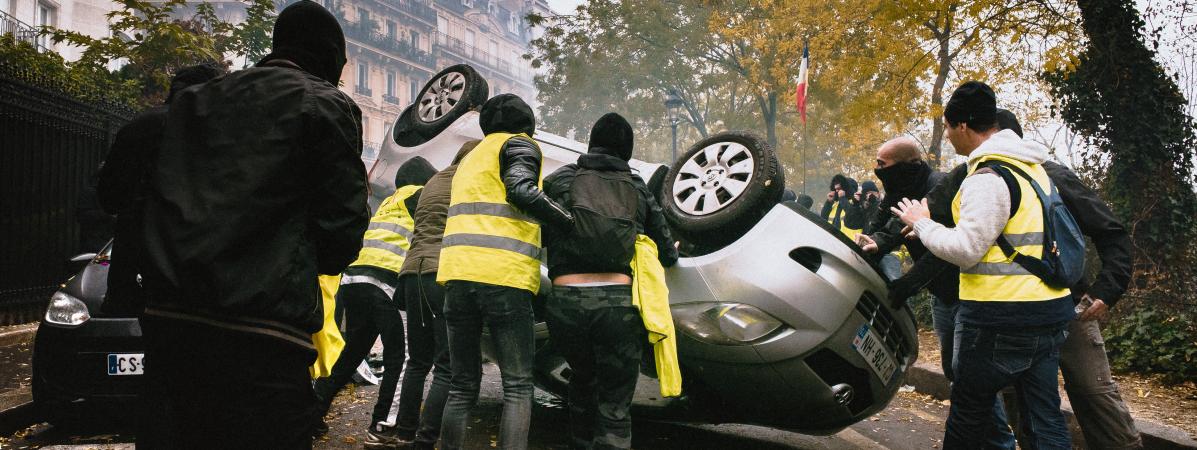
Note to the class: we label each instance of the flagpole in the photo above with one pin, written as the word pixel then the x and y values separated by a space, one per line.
pixel 804 138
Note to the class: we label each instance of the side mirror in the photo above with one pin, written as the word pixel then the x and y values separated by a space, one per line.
pixel 83 257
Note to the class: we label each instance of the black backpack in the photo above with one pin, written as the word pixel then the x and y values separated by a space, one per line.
pixel 1063 262
pixel 605 204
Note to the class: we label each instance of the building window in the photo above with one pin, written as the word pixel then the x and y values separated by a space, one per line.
pixel 415 90
pixel 47 16
pixel 363 79
pixel 415 40
pixel 471 36
pixel 390 97
pixel 390 29
pixel 363 16
pixel 513 23
pixel 467 3
pixel 442 25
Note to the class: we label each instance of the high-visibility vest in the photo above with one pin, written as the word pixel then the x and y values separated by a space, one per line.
pixel 998 278
pixel 650 295
pixel 486 239
pixel 387 239
pixel 836 213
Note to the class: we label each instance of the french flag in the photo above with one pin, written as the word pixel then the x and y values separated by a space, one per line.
pixel 800 92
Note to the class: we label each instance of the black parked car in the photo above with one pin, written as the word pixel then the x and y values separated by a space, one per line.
pixel 86 364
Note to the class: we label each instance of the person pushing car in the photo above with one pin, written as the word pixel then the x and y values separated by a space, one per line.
pixel 590 311
pixel 490 266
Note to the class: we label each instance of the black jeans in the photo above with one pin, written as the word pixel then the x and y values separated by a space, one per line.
pixel 228 389
pixel 427 347
pixel 369 313
pixel 507 313
pixel 601 336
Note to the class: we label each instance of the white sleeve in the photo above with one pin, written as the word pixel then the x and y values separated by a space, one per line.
pixel 984 211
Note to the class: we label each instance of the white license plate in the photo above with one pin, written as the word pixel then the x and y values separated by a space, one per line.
pixel 870 346
pixel 126 363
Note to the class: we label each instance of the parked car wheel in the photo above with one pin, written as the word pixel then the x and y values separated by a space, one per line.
pixel 444 99
pixel 720 187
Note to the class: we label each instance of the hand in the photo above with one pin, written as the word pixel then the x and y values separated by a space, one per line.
pixel 1095 311
pixel 908 233
pixel 841 193
pixel 911 211
pixel 866 243
pixel 831 196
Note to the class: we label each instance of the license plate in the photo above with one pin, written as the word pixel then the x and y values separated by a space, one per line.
pixel 873 350
pixel 126 363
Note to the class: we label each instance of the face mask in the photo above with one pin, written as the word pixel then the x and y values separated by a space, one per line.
pixel 904 178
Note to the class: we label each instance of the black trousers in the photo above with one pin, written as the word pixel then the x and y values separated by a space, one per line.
pixel 427 351
pixel 369 313
pixel 601 336
pixel 226 389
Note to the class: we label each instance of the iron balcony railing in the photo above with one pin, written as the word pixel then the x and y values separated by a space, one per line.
pixel 20 30
pixel 472 54
pixel 417 8
pixel 365 31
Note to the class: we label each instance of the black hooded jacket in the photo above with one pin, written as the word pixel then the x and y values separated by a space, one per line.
pixel 1096 219
pixel 257 189
pixel 853 215
pixel 519 160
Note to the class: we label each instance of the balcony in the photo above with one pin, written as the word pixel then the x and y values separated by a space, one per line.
pixel 474 55
pixel 365 32
pixel 416 8
pixel 20 30
pixel 363 90
pixel 391 99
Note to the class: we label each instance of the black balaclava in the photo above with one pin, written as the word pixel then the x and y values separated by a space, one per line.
pixel 415 171
pixel 507 113
pixel 973 103
pixel 191 76
pixel 612 135
pixel 309 36
pixel 788 195
pixel 1007 121
pixel 905 179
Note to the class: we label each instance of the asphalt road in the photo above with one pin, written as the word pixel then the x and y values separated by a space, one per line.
pixel 912 421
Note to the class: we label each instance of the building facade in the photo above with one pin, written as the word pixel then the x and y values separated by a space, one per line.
pixel 23 18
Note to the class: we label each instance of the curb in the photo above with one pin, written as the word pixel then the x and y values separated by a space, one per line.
pixel 16 411
pixel 929 379
pixel 19 334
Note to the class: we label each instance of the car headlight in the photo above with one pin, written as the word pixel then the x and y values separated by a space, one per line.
pixel 67 311
pixel 724 323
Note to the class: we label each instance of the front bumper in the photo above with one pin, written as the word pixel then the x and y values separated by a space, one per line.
pixel 70 369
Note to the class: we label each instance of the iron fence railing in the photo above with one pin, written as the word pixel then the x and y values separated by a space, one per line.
pixel 471 54
pixel 51 143
pixel 366 32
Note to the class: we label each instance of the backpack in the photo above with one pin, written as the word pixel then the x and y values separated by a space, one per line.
pixel 1063 262
pixel 604 208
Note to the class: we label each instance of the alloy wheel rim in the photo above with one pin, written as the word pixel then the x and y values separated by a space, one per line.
pixel 713 178
pixel 441 96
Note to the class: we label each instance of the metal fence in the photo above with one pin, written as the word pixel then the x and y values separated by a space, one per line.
pixel 51 143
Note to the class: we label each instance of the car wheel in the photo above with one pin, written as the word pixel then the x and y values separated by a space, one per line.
pixel 720 187
pixel 450 94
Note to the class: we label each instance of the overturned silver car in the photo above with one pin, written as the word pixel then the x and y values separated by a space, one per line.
pixel 780 319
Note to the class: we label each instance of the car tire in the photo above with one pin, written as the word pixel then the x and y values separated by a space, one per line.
pixel 445 98
pixel 720 187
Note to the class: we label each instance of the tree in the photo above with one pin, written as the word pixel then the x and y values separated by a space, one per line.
pixel 1119 98
pixel 151 44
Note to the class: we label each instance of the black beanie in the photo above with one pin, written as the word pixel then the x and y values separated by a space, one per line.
pixel 868 186
pixel 191 76
pixel 507 113
pixel 1007 121
pixel 415 171
pixel 612 135
pixel 309 36
pixel 973 103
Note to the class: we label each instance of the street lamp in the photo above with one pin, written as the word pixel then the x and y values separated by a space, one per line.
pixel 673 105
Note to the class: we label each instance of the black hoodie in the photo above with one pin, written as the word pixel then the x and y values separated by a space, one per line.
pixel 853 216
pixel 257 189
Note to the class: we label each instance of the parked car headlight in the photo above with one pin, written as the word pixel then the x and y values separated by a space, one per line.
pixel 725 323
pixel 66 310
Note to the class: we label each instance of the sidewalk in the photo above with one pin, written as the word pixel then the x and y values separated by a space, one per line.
pixel 16 397
pixel 929 379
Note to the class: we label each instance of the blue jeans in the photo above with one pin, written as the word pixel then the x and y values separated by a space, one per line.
pixel 507 313
pixel 892 266
pixel 988 360
pixel 943 318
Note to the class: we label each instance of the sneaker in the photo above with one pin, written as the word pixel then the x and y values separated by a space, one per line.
pixel 381 436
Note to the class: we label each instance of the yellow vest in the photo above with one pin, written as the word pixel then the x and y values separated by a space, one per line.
pixel 850 232
pixel 651 296
pixel 486 239
pixel 998 278
pixel 386 242
pixel 328 340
